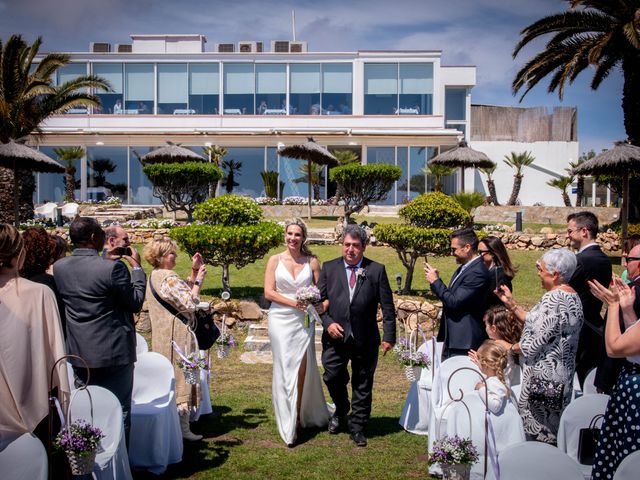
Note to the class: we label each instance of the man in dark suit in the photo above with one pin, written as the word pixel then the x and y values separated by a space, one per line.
pixel 593 263
pixel 463 301
pixel 354 287
pixel 100 297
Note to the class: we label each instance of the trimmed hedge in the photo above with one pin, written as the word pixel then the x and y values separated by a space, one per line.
pixel 227 210
pixel 435 210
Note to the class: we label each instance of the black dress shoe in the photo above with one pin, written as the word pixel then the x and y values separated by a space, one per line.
pixel 334 424
pixel 358 438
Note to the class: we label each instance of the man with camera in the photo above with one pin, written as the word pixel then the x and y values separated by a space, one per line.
pixel 118 247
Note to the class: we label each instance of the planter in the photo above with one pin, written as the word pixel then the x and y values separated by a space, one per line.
pixel 223 351
pixel 81 465
pixel 412 373
pixel 192 375
pixel 456 472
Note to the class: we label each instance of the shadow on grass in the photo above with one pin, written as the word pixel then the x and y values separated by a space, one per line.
pixel 382 426
pixel 220 423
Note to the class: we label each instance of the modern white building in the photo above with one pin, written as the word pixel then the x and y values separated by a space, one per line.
pixel 397 107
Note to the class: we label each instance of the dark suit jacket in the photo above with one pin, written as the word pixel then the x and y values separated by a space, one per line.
pixel 100 297
pixel 461 326
pixel 360 315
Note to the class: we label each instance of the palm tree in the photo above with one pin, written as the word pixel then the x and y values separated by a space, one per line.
pixel 316 174
pixel 604 34
pixel 69 156
pixel 562 183
pixel 517 161
pixel 439 172
pixel 491 186
pixel 214 153
pixel 345 156
pixel 27 98
pixel 232 169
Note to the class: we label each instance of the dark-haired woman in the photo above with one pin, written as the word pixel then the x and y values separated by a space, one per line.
pixel 494 255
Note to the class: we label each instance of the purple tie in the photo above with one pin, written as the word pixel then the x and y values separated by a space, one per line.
pixel 352 278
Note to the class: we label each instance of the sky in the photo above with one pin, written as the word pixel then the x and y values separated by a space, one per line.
pixel 469 32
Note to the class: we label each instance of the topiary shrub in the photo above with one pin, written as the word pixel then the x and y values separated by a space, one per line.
pixel 435 210
pixel 232 233
pixel 469 200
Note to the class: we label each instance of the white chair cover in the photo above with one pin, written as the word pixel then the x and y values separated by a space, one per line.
pixel 205 376
pixel 516 389
pixel 588 387
pixel 70 210
pixel 24 459
pixel 577 415
pixel 535 461
pixel 507 428
pixel 577 389
pixel 141 344
pixel 48 210
pixel 112 461
pixel 415 413
pixel 71 376
pixel 629 468
pixel 155 440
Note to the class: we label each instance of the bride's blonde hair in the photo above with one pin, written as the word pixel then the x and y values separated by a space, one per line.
pixel 304 248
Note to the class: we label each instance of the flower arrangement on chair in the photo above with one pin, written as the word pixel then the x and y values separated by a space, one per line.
pixel 80 441
pixel 455 455
pixel 191 366
pixel 412 360
pixel 224 344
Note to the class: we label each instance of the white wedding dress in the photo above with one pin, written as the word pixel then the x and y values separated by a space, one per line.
pixel 290 341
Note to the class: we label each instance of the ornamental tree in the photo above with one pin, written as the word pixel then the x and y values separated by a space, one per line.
pixel 181 186
pixel 429 220
pixel 359 185
pixel 231 233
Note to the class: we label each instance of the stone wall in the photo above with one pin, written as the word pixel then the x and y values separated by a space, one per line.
pixel 609 241
pixel 548 215
pixel 289 211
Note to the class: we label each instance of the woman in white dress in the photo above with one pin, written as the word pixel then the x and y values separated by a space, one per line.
pixel 298 399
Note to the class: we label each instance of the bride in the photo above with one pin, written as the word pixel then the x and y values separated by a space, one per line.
pixel 298 400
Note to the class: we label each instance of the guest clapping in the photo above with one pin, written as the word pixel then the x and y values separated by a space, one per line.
pixel 548 345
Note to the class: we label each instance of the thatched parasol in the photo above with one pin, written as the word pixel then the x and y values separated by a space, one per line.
pixel 463 156
pixel 171 153
pixel 17 156
pixel 311 152
pixel 621 160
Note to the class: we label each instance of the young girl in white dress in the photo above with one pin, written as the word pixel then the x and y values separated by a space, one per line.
pixel 492 360
pixel 298 399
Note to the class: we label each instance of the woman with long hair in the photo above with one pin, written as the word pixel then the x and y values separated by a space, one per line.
pixel 298 399
pixel 496 258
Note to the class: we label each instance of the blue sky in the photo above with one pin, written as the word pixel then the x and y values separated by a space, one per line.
pixel 469 32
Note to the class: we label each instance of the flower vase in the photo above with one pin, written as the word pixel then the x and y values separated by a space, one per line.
pixel 223 351
pixel 81 465
pixel 191 375
pixel 412 373
pixel 456 472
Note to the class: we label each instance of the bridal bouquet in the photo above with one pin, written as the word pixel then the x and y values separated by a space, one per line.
pixel 309 295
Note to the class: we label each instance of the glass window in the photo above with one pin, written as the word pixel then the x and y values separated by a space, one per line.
pixel 304 88
pixel 383 155
pixel 455 104
pixel 380 88
pixel 173 88
pixel 51 186
pixel 112 73
pixel 273 166
pixel 204 88
pixel 336 88
pixel 417 175
pixel 107 173
pixel 239 89
pixel 271 89
pixel 69 73
pixel 138 89
pixel 246 165
pixel 140 188
pixel 402 161
pixel 416 89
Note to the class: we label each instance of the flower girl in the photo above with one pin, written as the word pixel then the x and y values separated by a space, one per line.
pixel 491 358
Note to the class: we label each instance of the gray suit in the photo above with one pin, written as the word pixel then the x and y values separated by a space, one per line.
pixel 100 298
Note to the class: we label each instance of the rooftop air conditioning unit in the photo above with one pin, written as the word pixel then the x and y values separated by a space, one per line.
pixel 247 47
pixel 297 47
pixel 225 47
pixel 124 47
pixel 280 46
pixel 100 47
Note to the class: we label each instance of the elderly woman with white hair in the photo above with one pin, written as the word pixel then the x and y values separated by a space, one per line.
pixel 548 345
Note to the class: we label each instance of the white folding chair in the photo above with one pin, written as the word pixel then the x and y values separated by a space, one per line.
pixel 48 210
pixel 589 388
pixel 141 344
pixel 112 461
pixel 24 459
pixel 70 210
pixel 577 415
pixel 536 460
pixel 629 467
pixel 155 439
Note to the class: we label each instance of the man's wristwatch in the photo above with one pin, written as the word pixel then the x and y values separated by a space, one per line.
pixel 137 268
pixel 198 282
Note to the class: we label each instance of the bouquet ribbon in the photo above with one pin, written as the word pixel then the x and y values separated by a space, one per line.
pixel 491 446
pixel 311 314
pixel 179 351
pixel 56 402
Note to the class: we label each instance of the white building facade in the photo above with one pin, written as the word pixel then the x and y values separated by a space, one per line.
pixel 395 107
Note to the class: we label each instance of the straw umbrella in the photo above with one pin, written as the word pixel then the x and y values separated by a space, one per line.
pixel 17 156
pixel 621 160
pixel 171 153
pixel 311 152
pixel 463 156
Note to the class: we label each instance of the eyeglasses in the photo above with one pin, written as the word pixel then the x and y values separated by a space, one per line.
pixel 482 252
pixel 631 259
pixel 454 250
pixel 571 230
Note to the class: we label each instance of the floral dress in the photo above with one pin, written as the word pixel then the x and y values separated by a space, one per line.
pixel 549 343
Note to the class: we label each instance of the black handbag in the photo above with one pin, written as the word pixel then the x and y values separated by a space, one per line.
pixel 203 326
pixel 548 394
pixel 588 441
